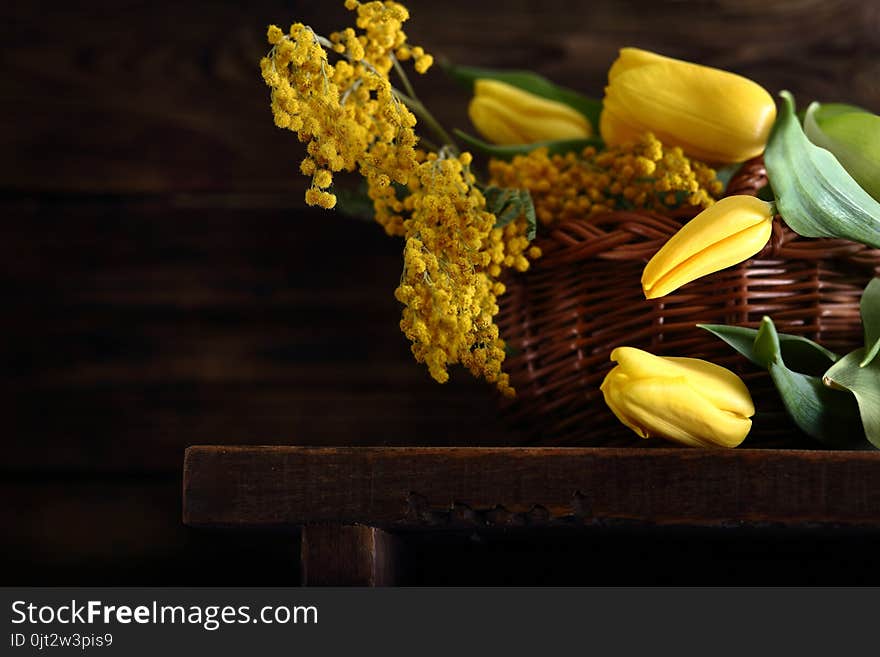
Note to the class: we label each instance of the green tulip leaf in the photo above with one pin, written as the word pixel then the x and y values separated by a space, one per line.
pixel 509 151
pixel 740 338
pixel 533 83
pixel 828 415
pixel 799 353
pixel 853 137
pixel 767 347
pixel 870 307
pixel 827 111
pixel 864 384
pixel 814 193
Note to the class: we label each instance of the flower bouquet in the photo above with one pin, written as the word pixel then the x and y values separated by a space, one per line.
pixel 679 260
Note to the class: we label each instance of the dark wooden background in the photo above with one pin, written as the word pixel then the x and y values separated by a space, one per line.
pixel 163 285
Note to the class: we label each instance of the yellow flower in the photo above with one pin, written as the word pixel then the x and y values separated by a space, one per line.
pixel 713 115
pixel 686 400
pixel 505 114
pixel 448 287
pixel 637 175
pixel 727 233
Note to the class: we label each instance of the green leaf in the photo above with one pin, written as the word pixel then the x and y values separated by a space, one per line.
pixel 355 203
pixel 765 193
pixel 529 210
pixel 870 307
pixel 853 137
pixel 504 203
pixel 497 198
pixel 805 356
pixel 508 152
pixel 766 346
pixel 801 354
pixel 508 205
pixel 864 384
pixel 533 83
pixel 814 193
pixel 725 173
pixel 740 338
pixel 509 213
pixel 828 415
pixel 830 110
pixel 511 351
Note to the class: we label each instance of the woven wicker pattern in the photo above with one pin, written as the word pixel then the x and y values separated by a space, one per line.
pixel 584 298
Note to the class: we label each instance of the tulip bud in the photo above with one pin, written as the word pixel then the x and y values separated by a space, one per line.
pixel 505 114
pixel 713 115
pixel 686 400
pixel 726 233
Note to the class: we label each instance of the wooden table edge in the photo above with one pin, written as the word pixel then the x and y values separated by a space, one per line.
pixel 448 487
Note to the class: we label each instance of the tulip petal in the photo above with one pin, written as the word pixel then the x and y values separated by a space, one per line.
pixel 532 83
pixel 713 115
pixel 508 115
pixel 721 387
pixel 631 58
pixel 726 253
pixel 492 120
pixel 615 380
pixel 727 233
pixel 673 409
pixel 615 130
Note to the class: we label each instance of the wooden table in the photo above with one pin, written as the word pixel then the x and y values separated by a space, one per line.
pixel 353 503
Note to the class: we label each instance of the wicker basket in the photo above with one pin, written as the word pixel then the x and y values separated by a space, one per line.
pixel 583 298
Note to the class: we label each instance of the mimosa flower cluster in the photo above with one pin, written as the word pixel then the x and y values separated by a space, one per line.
pixel 448 295
pixel 346 112
pixel 334 92
pixel 634 175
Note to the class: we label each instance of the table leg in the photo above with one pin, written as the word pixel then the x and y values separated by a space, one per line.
pixel 348 555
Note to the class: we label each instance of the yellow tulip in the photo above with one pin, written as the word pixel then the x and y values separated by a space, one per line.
pixel 713 115
pixel 505 114
pixel 685 400
pixel 726 233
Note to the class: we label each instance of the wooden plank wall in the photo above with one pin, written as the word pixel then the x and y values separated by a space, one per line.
pixel 164 286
